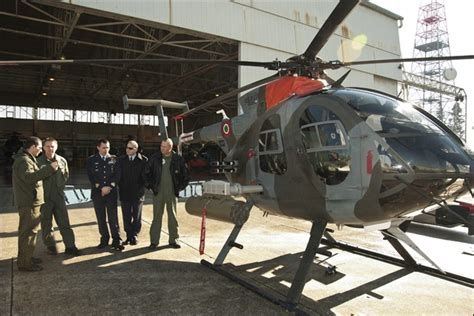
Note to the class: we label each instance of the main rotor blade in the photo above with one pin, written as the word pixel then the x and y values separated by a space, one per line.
pixel 401 60
pixel 228 95
pixel 343 8
pixel 270 65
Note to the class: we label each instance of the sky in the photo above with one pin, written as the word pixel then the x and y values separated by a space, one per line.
pixel 459 15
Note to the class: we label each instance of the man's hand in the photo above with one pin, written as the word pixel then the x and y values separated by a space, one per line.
pixel 54 165
pixel 105 190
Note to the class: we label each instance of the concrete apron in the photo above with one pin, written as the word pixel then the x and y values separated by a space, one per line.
pixel 172 281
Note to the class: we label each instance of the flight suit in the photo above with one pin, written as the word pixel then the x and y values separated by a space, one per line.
pixel 55 204
pixel 166 177
pixel 28 192
pixel 101 173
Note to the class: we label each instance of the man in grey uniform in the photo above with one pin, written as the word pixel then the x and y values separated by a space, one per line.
pixel 55 204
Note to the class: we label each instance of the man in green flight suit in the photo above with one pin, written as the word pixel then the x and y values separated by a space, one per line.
pixel 166 175
pixel 55 204
pixel 28 191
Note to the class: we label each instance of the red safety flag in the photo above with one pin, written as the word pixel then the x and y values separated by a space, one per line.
pixel 202 242
pixel 369 162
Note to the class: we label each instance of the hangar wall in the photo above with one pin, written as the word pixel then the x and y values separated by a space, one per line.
pixel 279 29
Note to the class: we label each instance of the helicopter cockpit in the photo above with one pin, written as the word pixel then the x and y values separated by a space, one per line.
pixel 420 141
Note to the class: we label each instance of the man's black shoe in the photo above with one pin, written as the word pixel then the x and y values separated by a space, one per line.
pixel 117 246
pixel 175 245
pixel 153 246
pixel 102 245
pixel 127 241
pixel 133 242
pixel 35 260
pixel 32 268
pixel 73 251
pixel 52 250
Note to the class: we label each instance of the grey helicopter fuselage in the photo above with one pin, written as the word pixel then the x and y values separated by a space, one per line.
pixel 349 156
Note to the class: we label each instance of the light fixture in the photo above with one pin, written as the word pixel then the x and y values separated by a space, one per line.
pixel 44 93
pixel 51 78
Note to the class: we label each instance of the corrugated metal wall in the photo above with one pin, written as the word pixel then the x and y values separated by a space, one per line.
pixel 279 29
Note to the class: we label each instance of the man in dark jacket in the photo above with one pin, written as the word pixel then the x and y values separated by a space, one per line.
pixel 166 175
pixel 101 170
pixel 28 191
pixel 131 183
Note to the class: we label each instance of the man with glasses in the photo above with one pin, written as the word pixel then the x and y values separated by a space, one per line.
pixel 102 173
pixel 28 191
pixel 131 183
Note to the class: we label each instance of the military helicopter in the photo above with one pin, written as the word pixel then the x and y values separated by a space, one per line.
pixel 306 147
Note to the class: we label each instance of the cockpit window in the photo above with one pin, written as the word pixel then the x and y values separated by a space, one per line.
pixel 326 144
pixel 270 147
pixel 386 115
pixel 420 142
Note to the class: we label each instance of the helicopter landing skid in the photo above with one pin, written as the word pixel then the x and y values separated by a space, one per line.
pixel 299 281
pixel 407 261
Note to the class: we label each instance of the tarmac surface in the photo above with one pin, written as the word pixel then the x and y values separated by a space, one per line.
pixel 172 281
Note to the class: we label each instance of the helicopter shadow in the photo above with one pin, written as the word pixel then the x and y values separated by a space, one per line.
pixel 128 282
pixel 274 273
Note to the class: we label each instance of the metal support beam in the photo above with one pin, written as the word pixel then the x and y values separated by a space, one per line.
pixel 230 242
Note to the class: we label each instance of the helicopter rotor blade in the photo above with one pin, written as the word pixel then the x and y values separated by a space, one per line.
pixel 340 12
pixel 228 95
pixel 270 65
pixel 337 64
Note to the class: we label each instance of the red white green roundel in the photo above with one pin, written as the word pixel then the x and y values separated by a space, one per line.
pixel 226 128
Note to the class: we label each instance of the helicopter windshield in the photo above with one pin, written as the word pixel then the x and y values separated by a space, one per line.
pixel 422 144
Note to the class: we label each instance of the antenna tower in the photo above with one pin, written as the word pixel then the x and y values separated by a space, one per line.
pixel 432 40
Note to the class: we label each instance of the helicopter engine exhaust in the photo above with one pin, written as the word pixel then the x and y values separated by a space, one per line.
pixel 221 208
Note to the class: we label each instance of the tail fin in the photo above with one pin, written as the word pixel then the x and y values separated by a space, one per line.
pixel 159 104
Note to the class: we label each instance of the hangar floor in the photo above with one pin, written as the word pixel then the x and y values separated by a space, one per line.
pixel 172 281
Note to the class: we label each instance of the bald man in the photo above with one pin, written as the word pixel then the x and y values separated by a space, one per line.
pixel 131 183
pixel 166 175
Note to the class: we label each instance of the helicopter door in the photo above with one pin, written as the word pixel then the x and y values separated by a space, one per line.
pixel 270 147
pixel 328 150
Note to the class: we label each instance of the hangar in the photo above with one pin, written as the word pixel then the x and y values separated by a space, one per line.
pixel 79 103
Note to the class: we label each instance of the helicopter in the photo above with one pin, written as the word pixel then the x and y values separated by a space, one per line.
pixel 306 147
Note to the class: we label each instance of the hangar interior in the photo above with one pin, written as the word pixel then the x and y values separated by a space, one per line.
pixel 77 104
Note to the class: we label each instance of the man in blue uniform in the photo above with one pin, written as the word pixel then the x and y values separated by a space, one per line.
pixel 101 170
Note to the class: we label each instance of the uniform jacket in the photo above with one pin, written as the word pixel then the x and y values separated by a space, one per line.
pixel 179 173
pixel 55 183
pixel 27 180
pixel 131 177
pixel 102 174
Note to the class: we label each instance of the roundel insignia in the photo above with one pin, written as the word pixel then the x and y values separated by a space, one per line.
pixel 226 128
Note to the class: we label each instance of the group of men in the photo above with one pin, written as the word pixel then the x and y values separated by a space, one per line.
pixel 38 186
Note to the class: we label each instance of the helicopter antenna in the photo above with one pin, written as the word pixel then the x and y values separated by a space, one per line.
pixel 338 82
